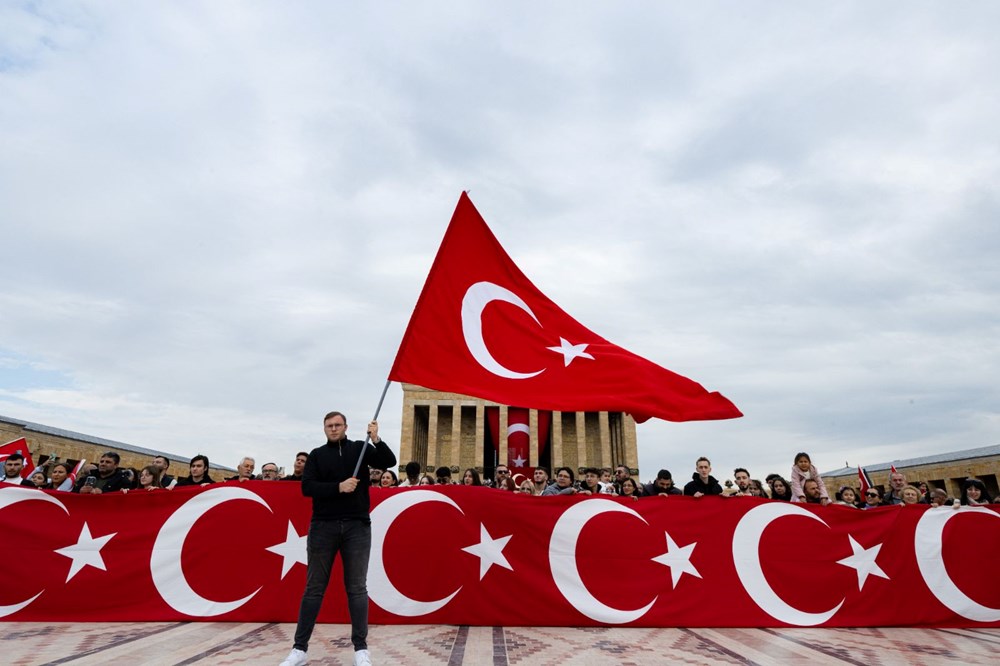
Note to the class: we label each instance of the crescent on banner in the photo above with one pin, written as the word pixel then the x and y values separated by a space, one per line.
pixel 746 557
pixel 476 298
pixel 927 539
pixel 380 588
pixel 566 574
pixel 9 497
pixel 165 560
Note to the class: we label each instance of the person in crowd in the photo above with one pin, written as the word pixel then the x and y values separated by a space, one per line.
pixel 802 470
pixel 300 464
pixel 198 473
pixel 108 478
pixel 662 485
pixel 269 472
pixel 742 478
pixel 502 472
pixel 608 486
pixel 897 481
pixel 631 489
pixel 757 489
pixel 443 475
pixel 591 483
pixel 375 476
pixel 427 480
pixel 471 478
pixel 939 497
pixel 564 483
pixel 388 479
pixel 873 498
pixel 780 489
pixel 811 488
pixel 59 474
pixel 974 493
pixel 162 463
pixel 149 479
pixel 924 491
pixel 39 480
pixel 526 487
pixel 846 496
pixel 702 482
pixel 539 480
pixel 341 523
pixel 508 484
pixel 244 471
pixel 622 472
pixel 910 495
pixel 412 475
pixel 12 467
pixel 131 477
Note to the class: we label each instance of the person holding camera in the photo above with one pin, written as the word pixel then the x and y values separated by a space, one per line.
pixel 108 477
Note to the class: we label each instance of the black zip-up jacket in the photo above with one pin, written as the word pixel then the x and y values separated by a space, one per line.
pixel 334 462
pixel 697 485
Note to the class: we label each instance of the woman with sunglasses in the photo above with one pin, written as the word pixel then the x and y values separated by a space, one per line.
pixel 873 498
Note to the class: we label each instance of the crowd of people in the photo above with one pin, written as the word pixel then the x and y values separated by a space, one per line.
pixel 802 485
pixel 107 475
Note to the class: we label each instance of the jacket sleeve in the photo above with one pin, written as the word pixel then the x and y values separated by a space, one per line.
pixel 796 483
pixel 380 456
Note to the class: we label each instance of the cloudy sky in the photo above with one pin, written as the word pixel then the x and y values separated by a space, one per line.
pixel 215 218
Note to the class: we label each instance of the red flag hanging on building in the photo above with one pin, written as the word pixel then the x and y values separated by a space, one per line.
pixel 18 446
pixel 481 328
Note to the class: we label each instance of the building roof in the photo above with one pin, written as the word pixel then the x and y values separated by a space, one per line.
pixel 100 441
pixel 981 452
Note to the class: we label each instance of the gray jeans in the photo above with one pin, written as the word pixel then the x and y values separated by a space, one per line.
pixel 353 539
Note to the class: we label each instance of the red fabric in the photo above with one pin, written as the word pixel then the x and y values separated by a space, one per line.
pixel 518 437
pixel 864 481
pixel 18 446
pixel 203 554
pixel 481 328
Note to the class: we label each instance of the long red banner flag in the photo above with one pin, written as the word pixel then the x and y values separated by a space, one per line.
pixel 464 555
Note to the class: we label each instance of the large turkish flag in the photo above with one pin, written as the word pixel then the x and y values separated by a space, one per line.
pixel 481 328
pixel 236 552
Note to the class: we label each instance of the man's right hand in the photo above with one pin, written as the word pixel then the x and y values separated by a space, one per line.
pixel 348 485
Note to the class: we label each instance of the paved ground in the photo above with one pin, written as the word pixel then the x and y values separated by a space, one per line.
pixel 174 644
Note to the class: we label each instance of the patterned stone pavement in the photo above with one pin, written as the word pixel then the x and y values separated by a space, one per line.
pixel 179 643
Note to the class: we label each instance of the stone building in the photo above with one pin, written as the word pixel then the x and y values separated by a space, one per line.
pixel 453 430
pixel 945 470
pixel 46 442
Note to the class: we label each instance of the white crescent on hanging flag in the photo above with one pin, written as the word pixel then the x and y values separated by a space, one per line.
pixel 481 328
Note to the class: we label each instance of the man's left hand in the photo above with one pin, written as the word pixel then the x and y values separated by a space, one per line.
pixel 373 432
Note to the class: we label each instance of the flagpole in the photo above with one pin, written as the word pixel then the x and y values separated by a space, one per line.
pixel 368 436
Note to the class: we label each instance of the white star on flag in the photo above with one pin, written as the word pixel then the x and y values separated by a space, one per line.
pixel 863 560
pixel 293 550
pixel 85 552
pixel 571 352
pixel 678 559
pixel 519 461
pixel 489 551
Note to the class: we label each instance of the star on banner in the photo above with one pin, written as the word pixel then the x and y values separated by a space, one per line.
pixel 292 551
pixel 863 560
pixel 570 352
pixel 519 461
pixel 489 551
pixel 85 552
pixel 678 559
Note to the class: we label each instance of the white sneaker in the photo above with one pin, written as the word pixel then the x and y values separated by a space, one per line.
pixel 362 658
pixel 295 658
